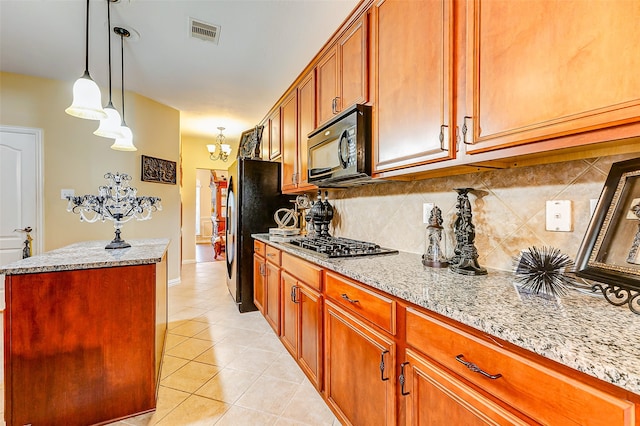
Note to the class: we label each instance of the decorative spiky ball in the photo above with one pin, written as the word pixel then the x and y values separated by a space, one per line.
pixel 543 271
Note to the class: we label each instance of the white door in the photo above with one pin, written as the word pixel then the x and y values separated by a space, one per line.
pixel 20 192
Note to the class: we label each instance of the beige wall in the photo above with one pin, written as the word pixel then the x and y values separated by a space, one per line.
pixel 195 156
pixel 508 208
pixel 74 158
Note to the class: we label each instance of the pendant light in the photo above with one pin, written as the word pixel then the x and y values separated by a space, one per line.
pixel 87 100
pixel 110 126
pixel 126 142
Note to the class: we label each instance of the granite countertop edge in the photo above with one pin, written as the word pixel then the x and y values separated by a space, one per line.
pixel 90 255
pixel 581 331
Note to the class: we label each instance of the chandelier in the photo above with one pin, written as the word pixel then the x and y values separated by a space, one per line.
pixel 219 150
pixel 116 201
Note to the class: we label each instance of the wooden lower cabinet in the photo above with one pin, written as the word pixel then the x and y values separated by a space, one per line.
pixel 360 383
pixel 434 396
pixel 259 281
pixel 272 296
pixel 301 326
pixel 383 361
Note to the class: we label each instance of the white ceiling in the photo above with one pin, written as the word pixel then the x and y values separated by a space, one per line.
pixel 264 45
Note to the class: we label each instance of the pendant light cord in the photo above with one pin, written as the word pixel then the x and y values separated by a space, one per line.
pixel 109 43
pixel 122 61
pixel 86 41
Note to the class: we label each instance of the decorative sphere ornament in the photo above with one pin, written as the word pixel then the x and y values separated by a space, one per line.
pixel 544 271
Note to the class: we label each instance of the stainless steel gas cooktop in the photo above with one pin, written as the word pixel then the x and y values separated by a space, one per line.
pixel 333 247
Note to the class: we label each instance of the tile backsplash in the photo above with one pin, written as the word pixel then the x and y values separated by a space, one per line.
pixel 508 208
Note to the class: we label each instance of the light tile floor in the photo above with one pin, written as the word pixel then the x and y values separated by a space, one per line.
pixel 225 368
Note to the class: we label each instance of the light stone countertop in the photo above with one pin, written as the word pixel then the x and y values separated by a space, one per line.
pixel 581 331
pixel 90 255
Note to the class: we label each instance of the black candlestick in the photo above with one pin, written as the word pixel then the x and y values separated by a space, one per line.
pixel 465 259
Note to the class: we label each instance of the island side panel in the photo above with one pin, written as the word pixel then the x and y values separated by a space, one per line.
pixel 162 315
pixel 80 345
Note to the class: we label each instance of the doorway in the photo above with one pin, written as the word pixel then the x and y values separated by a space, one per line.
pixel 210 214
pixel 21 196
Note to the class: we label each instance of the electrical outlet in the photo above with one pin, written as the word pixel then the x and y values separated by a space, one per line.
pixel 64 193
pixel 558 215
pixel 426 212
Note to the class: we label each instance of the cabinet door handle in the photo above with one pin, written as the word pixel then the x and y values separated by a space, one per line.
pixel 345 297
pixel 333 105
pixel 294 299
pixel 384 379
pixel 471 366
pixel 402 379
pixel 262 269
pixel 441 137
pixel 465 129
pixel 337 98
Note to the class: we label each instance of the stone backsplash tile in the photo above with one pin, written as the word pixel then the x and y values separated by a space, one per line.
pixel 508 208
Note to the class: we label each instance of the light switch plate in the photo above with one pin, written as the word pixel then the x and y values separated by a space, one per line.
pixel 558 216
pixel 64 193
pixel 426 212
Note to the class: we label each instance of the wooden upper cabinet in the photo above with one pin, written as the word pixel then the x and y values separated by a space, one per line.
pixel 540 69
pixel 306 124
pixel 289 138
pixel 298 112
pixel 353 65
pixel 265 143
pixel 327 90
pixel 343 72
pixel 413 68
pixel 274 135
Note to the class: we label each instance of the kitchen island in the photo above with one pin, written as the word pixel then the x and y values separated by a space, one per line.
pixel 84 332
pixel 539 345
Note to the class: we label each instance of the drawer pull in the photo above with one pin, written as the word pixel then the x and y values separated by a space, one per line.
pixel 471 366
pixel 345 297
pixel 384 379
pixel 402 379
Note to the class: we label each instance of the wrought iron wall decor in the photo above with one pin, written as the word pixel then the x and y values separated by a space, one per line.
pixel 116 201
pixel 609 250
pixel 157 170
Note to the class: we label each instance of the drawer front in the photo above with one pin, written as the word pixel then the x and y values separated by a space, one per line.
pixel 538 391
pixel 259 247
pixel 356 299
pixel 306 272
pixel 273 255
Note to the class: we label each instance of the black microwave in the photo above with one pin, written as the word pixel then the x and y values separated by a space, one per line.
pixel 340 151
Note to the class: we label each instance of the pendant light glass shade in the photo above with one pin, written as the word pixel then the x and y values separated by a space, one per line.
pixel 110 127
pixel 87 100
pixel 125 143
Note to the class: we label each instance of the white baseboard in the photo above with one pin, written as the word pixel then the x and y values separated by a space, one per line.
pixel 173 282
pixel 187 261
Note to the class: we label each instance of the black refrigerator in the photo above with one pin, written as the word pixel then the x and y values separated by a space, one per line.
pixel 253 196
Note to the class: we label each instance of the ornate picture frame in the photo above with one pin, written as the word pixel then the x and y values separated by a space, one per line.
pixel 610 250
pixel 250 140
pixel 158 170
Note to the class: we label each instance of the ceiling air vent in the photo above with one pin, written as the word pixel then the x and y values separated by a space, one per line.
pixel 204 31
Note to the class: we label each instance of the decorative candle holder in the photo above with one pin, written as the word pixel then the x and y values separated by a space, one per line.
pixel 116 201
pixel 435 255
pixel 465 260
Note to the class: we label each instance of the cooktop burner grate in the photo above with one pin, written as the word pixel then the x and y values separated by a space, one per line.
pixel 333 247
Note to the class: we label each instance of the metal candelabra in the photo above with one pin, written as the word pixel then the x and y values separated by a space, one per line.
pixel 116 201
